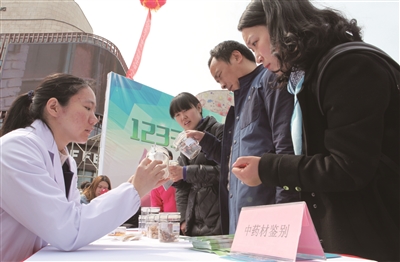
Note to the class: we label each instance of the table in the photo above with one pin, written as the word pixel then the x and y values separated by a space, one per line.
pixel 145 249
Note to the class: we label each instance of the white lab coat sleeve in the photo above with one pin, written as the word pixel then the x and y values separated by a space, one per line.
pixel 32 196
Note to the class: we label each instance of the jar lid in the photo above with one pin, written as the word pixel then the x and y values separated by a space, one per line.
pixel 149 210
pixel 170 216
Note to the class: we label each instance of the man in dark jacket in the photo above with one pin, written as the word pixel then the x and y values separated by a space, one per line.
pixel 258 123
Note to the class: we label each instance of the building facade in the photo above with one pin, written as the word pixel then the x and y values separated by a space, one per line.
pixel 38 16
pixel 38 38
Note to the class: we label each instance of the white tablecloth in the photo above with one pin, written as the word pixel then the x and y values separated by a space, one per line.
pixel 145 249
pixel 109 249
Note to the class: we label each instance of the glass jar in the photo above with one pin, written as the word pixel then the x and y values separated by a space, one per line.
pixel 187 145
pixel 142 224
pixel 152 226
pixel 169 226
pixel 144 212
pixel 160 153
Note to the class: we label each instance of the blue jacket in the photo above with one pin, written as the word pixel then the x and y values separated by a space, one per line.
pixel 258 123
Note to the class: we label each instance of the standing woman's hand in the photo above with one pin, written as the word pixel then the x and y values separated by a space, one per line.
pixel 175 173
pixel 245 169
pixel 198 135
pixel 149 175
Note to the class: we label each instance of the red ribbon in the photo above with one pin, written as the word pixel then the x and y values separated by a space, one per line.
pixel 139 50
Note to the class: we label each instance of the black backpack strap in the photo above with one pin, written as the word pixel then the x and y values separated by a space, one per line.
pixel 372 50
pixel 354 46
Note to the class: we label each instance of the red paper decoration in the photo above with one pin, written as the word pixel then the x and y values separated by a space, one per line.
pixel 153 4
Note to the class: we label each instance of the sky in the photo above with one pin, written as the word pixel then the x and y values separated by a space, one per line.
pixel 183 32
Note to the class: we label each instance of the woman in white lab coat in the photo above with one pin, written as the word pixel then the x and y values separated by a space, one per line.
pixel 40 201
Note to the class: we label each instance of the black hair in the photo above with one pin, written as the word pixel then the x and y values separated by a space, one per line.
pixel 30 106
pixel 183 101
pixel 84 185
pixel 299 32
pixel 224 50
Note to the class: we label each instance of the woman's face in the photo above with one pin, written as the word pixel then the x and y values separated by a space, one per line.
pixel 102 185
pixel 189 119
pixel 77 119
pixel 257 38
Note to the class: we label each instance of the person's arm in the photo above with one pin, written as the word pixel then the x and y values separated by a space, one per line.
pixel 202 174
pixel 30 173
pixel 353 133
pixel 211 146
pixel 194 173
pixel 279 107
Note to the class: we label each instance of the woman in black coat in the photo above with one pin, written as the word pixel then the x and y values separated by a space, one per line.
pixel 347 166
pixel 196 180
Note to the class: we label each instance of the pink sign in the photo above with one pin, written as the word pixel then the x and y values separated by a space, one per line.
pixel 281 231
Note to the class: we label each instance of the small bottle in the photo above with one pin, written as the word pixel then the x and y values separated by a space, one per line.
pixel 169 226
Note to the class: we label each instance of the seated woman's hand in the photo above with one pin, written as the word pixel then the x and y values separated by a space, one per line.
pixel 245 169
pixel 149 175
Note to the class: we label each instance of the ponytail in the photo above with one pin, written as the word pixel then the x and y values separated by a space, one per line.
pixel 18 116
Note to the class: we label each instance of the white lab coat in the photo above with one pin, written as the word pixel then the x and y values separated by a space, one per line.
pixel 34 209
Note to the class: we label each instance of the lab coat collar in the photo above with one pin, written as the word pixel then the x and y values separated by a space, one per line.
pixel 43 132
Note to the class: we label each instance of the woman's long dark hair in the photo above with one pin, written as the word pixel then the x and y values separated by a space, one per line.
pixel 30 106
pixel 299 32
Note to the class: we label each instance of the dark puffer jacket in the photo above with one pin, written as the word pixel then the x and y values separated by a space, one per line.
pixel 197 197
